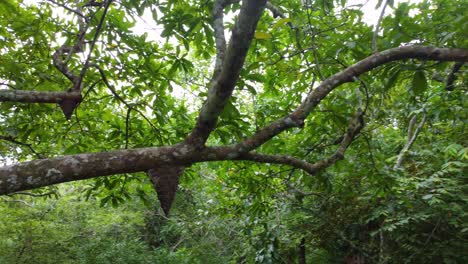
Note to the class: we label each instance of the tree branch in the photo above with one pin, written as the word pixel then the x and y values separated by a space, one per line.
pixel 449 85
pixel 377 27
pixel 34 194
pixel 220 39
pixel 76 12
pixel 222 86
pixel 45 172
pixel 13 140
pixel 279 159
pixel 230 153
pixel 116 95
pixel 274 10
pixel 412 135
pixel 93 43
pixel 296 118
pixel 24 96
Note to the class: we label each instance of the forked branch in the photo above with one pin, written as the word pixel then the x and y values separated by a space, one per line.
pixel 355 126
pixel 223 84
pixel 350 74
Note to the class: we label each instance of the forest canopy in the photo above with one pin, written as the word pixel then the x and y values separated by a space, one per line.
pixel 314 135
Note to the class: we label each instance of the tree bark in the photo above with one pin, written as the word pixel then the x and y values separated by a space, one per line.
pixel 302 252
pixel 44 172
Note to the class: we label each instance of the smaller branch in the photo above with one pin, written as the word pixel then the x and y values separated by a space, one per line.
pixel 13 140
pixel 314 50
pixel 377 28
pixel 33 194
pixel 220 39
pixel 449 85
pixel 62 65
pixel 292 188
pixel 355 126
pixel 76 12
pixel 127 126
pixel 16 201
pixel 350 74
pixel 94 3
pixel 279 159
pixel 274 10
pixel 8 85
pixel 412 135
pixel 68 106
pixel 173 248
pixel 431 235
pixel 116 95
pixel 93 43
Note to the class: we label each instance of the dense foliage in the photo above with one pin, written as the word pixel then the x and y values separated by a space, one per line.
pixel 398 196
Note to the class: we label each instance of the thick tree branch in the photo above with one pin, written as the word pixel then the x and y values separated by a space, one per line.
pixel 23 96
pixel 273 9
pixel 222 86
pixel 45 172
pixel 296 119
pixel 220 39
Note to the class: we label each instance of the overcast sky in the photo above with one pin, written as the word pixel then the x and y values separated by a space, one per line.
pixel 371 14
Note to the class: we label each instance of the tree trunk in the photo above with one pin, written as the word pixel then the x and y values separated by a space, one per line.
pixel 302 252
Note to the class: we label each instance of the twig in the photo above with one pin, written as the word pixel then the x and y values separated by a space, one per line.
pixel 16 201
pixel 76 12
pixel 127 126
pixel 116 95
pixel 412 135
pixel 93 43
pixel 377 27
pixel 13 140
pixel 8 85
pixel 317 94
pixel 34 194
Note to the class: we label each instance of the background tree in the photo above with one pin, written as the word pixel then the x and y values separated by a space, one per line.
pixel 299 83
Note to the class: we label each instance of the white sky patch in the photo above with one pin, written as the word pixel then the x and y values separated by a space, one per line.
pixel 371 14
pixel 146 24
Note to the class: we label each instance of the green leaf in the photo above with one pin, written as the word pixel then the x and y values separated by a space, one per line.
pixel 427 196
pixel 419 83
pixel 262 35
pixel 392 80
pixel 281 22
